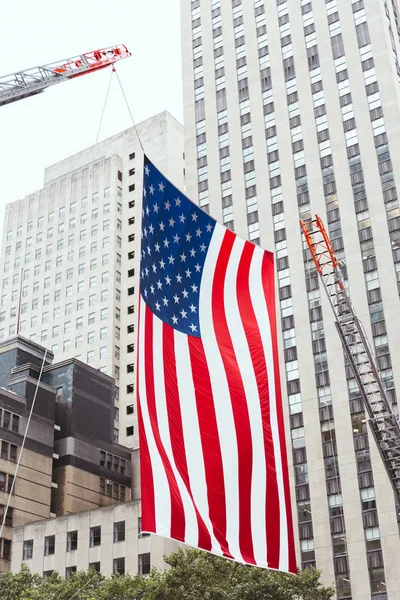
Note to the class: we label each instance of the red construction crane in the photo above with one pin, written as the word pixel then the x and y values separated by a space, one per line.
pixel 34 81
pixel 383 421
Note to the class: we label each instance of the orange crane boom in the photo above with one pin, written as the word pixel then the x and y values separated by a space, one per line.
pixel 24 84
pixel 384 423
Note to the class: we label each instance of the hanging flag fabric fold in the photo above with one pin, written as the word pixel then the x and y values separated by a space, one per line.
pixel 213 459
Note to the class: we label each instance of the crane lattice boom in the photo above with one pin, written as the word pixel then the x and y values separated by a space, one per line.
pixel 34 81
pixel 383 421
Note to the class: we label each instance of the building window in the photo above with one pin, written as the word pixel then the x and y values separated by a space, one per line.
pixel 144 563
pixel 69 571
pixel 6 550
pixel 9 516
pixel 27 552
pixel 119 566
pixel 72 540
pixel 49 545
pixel 119 532
pixel 130 409
pixel 95 536
pixel 95 566
pixel 47 574
pixel 140 531
pixel 129 430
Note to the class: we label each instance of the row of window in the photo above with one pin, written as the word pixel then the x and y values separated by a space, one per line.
pixel 119 534
pixel 112 489
pixel 112 462
pixel 144 566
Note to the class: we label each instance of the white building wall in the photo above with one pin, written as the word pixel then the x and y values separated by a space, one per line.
pixel 243 104
pixel 85 224
pixel 105 553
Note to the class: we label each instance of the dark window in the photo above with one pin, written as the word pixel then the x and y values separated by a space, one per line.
pixel 95 536
pixel 69 571
pixel 132 187
pixel 130 388
pixel 362 35
pixel 2 482
pixel 95 566
pixel 6 549
pixel 132 171
pixel 144 563
pixel 27 552
pixel 337 46
pixel 6 419
pixel 119 176
pixel 119 566
pixel 49 545
pixel 130 409
pixel 72 540
pixel 4 450
pixel 132 156
pixel 9 516
pixel 13 453
pixel 140 532
pixel 119 531
pixel 129 430
pixel 47 574
pixel 15 423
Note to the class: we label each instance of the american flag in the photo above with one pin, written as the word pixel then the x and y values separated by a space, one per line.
pixel 212 448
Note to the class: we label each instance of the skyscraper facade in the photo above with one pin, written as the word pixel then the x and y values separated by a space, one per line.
pixel 70 257
pixel 291 109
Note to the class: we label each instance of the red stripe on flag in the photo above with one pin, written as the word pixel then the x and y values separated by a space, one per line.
pixel 146 470
pixel 177 510
pixel 146 475
pixel 268 275
pixel 238 398
pixel 254 341
pixel 176 428
pixel 210 442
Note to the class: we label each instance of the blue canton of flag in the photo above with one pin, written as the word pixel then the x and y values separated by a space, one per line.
pixel 175 238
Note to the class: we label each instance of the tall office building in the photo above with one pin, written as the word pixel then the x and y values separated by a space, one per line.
pixel 71 251
pixel 291 109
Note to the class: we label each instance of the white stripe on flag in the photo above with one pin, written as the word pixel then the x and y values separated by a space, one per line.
pixel 262 316
pixel 191 433
pixel 162 498
pixel 243 356
pixel 221 395
pixel 191 529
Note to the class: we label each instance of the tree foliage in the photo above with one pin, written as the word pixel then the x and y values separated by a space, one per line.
pixel 193 575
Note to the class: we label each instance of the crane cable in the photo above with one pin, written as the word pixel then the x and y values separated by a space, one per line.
pixel 114 70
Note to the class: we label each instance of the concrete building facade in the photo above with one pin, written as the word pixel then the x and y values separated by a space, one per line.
pixel 291 109
pixel 69 462
pixel 71 250
pixel 109 539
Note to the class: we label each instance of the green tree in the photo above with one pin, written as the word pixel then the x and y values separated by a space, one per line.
pixel 193 575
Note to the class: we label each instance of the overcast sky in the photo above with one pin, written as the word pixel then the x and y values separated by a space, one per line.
pixel 38 131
